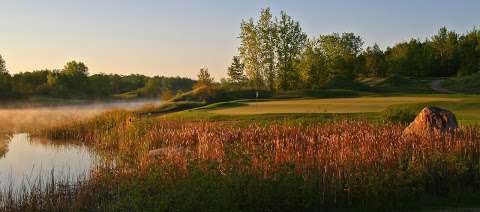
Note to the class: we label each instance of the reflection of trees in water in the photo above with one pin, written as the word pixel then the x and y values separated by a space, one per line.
pixel 4 140
pixel 56 144
pixel 60 145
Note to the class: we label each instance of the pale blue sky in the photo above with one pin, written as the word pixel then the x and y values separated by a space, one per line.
pixel 178 37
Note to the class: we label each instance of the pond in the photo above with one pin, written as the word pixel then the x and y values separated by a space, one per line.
pixel 24 160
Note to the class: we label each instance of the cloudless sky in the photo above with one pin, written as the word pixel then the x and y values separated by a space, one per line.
pixel 178 37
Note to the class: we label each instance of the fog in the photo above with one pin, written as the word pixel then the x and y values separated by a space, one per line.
pixel 23 119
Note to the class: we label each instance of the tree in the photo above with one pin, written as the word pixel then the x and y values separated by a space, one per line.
pixel 445 45
pixel 3 67
pixel 101 85
pixel 5 80
pixel 341 53
pixel 267 35
pixel 204 78
pixel 374 62
pixel 30 83
pixel 469 51
pixel 74 78
pixel 311 65
pixel 236 71
pixel 412 58
pixel 250 53
pixel 289 43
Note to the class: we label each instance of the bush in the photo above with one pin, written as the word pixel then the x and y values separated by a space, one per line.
pixel 397 83
pixel 468 84
pixel 404 113
pixel 342 82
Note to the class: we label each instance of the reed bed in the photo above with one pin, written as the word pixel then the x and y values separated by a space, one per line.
pixel 277 167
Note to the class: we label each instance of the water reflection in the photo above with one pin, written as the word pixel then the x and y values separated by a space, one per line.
pixel 4 140
pixel 25 159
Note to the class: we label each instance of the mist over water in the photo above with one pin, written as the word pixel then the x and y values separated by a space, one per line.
pixel 23 119
pixel 24 159
pixel 27 160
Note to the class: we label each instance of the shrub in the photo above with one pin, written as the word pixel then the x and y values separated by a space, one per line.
pixel 166 95
pixel 404 113
pixel 468 84
pixel 342 82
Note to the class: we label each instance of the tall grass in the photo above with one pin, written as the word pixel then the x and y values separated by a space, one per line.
pixel 216 166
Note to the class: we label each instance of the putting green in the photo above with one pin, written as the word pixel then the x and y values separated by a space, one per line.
pixel 334 105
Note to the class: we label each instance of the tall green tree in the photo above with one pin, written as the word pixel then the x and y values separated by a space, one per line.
pixel 374 62
pixel 311 65
pixel 469 52
pixel 445 45
pixel 3 66
pixel 413 58
pixel 72 81
pixel 250 53
pixel 236 71
pixel 5 80
pixel 289 43
pixel 341 52
pixel 267 35
pixel 204 78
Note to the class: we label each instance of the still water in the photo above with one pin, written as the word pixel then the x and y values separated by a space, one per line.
pixel 24 159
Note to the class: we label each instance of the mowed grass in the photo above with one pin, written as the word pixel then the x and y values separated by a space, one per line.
pixel 333 105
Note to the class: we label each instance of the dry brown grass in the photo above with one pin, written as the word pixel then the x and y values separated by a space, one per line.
pixel 343 164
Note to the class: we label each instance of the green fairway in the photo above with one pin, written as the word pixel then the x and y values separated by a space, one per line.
pixel 335 105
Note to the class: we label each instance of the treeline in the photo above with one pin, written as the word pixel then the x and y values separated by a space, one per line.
pixel 74 81
pixel 276 54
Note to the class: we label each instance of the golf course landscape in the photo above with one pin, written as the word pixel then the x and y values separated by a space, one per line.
pixel 284 118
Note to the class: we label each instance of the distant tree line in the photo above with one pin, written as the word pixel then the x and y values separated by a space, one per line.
pixel 275 54
pixel 74 81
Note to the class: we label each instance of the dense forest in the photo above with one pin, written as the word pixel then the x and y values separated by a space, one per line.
pixel 74 81
pixel 275 54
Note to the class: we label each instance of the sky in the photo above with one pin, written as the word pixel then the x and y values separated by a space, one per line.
pixel 178 37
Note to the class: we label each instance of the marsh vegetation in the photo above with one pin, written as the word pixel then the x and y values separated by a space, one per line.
pixel 336 165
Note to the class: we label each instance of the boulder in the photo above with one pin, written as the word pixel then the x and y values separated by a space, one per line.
pixel 432 120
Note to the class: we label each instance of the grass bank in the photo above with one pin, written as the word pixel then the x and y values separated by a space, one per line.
pixel 467 84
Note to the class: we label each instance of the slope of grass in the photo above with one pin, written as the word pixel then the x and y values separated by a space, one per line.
pixel 168 107
pixel 214 94
pixel 398 84
pixel 467 84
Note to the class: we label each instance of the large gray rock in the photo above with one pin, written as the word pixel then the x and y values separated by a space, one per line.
pixel 432 120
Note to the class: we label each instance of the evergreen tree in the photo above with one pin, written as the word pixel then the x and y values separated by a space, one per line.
pixel 374 62
pixel 236 71
pixel 5 80
pixel 204 78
